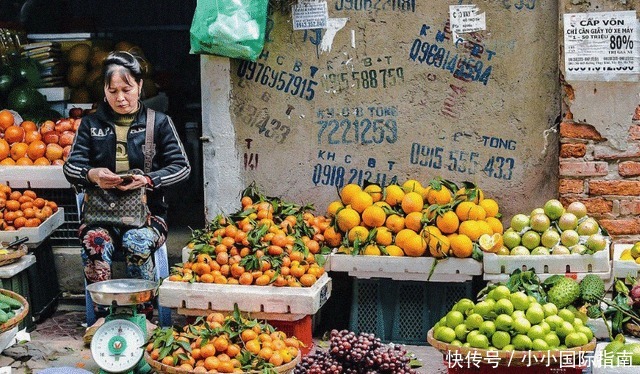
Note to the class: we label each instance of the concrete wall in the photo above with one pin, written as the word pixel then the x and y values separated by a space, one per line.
pixel 600 142
pixel 377 96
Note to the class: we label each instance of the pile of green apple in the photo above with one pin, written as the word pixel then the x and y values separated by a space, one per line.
pixel 554 229
pixel 511 321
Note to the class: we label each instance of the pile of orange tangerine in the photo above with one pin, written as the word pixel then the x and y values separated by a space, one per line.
pixel 26 143
pixel 440 220
pixel 23 209
pixel 220 344
pixel 269 242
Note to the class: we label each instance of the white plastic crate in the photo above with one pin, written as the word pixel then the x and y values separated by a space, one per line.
pixel 33 177
pixel 405 268
pixel 551 264
pixel 35 234
pixel 259 299
pixel 624 268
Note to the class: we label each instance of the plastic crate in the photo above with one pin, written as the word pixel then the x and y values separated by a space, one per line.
pixel 44 288
pixel 67 234
pixel 301 329
pixel 402 311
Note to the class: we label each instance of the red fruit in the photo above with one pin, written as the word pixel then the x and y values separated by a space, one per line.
pixel 75 112
pixel 65 152
pixel 66 138
pixel 63 124
pixel 51 137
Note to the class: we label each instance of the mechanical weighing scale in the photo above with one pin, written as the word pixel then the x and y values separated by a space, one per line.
pixel 118 345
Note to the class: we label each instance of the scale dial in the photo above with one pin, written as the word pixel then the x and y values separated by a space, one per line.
pixel 117 346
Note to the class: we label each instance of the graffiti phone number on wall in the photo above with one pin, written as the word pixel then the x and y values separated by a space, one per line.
pixel 366 79
pixel 362 131
pixel 279 80
pixel 466 162
pixel 336 175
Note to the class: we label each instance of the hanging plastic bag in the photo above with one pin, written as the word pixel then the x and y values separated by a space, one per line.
pixel 232 28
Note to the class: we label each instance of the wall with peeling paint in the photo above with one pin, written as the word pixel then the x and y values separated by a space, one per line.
pixel 384 94
pixel 600 141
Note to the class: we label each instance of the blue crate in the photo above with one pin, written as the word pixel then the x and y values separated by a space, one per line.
pixel 403 311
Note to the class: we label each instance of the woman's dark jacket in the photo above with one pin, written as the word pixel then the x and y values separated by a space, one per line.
pixel 95 146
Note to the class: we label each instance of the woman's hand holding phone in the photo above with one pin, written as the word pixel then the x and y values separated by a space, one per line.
pixel 131 181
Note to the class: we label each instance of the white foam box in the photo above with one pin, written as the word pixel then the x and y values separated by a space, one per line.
pixel 623 268
pixel 598 262
pixel 55 93
pixel 35 234
pixel 33 176
pixel 405 268
pixel 259 299
pixel 503 278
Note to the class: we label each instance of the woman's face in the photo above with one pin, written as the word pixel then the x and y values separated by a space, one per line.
pixel 123 94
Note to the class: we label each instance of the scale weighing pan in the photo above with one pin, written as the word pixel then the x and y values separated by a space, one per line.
pixel 122 291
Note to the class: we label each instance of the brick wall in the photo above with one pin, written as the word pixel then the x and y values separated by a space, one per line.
pixel 605 179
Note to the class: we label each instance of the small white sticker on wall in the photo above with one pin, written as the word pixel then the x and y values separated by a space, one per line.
pixel 466 18
pixel 310 15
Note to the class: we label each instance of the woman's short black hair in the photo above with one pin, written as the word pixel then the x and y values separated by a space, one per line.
pixel 121 59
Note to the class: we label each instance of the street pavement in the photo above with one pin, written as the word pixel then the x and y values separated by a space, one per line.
pixel 57 342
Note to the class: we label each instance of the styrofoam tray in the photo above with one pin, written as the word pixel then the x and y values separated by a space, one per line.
pixel 598 368
pixel 503 278
pixel 266 299
pixel 622 268
pixel 8 271
pixel 405 268
pixel 35 234
pixel 551 264
pixel 33 177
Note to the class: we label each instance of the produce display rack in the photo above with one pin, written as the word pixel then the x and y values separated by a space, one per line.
pixel 425 269
pixel 49 183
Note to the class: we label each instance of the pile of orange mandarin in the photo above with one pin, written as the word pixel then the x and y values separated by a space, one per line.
pixel 268 242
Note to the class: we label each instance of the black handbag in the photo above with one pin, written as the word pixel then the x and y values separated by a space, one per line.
pixel 112 207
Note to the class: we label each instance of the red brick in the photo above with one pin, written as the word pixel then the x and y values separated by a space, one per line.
pixel 566 186
pixel 608 153
pixel 634 132
pixel 617 187
pixel 596 205
pixel 579 131
pixel 583 169
pixel 636 114
pixel 621 226
pixel 628 207
pixel 573 150
pixel 629 168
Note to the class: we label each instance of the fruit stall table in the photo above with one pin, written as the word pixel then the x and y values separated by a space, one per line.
pixel 44 288
pixel 400 298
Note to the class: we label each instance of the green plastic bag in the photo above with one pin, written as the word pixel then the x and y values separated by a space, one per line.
pixel 232 28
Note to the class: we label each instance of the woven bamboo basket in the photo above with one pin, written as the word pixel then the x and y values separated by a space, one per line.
pixel 162 368
pixel 14 255
pixel 511 358
pixel 22 312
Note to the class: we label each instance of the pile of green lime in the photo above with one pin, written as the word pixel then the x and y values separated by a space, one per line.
pixel 511 321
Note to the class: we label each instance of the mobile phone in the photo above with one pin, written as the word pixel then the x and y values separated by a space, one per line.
pixel 126 178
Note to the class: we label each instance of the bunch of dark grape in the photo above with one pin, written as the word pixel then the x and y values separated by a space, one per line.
pixel 356 354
